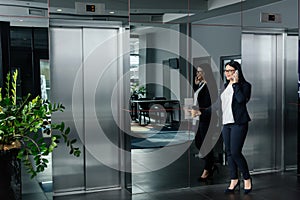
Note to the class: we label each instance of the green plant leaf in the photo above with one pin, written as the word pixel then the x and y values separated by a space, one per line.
pixel 23 120
pixel 62 126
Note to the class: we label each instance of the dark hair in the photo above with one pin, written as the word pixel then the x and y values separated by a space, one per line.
pixel 238 67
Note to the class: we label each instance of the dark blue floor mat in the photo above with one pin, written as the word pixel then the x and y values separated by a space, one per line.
pixel 153 137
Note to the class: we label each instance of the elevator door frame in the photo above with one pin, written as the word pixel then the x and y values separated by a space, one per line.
pixel 121 100
pixel 279 84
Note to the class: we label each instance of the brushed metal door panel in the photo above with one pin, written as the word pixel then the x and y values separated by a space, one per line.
pixel 259 68
pixel 100 50
pixel 65 64
pixel 291 98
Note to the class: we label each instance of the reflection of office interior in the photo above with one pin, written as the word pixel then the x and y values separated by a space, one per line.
pixel 156 110
pixel 29 53
pixel 45 78
pixel 134 63
pixel 151 103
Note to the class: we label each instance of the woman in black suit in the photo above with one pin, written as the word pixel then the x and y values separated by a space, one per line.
pixel 235 124
pixel 205 94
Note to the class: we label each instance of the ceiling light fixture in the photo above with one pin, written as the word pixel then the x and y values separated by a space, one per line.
pixel 167 17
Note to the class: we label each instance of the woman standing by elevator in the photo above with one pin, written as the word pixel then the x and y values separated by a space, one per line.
pixel 235 124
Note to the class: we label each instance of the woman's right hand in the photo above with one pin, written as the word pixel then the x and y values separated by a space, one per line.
pixel 195 113
pixel 235 77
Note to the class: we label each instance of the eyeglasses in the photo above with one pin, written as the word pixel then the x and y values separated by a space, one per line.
pixel 200 71
pixel 229 70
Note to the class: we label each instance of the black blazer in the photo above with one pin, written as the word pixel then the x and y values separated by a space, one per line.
pixel 241 96
pixel 204 104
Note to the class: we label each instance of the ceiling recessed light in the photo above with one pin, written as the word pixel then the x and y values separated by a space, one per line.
pixel 59 10
pixel 112 12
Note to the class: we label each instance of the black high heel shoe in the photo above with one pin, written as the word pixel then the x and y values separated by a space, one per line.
pixel 247 191
pixel 201 179
pixel 230 191
pixel 210 174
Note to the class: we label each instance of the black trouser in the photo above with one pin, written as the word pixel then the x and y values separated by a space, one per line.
pixel 234 137
pixel 200 136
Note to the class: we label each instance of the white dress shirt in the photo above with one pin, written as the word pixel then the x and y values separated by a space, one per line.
pixel 226 98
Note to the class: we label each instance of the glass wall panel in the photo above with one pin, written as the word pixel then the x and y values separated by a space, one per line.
pixel 160 141
pixel 209 51
pixel 210 33
pixel 215 37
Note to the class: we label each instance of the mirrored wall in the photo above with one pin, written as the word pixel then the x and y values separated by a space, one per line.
pixel 199 33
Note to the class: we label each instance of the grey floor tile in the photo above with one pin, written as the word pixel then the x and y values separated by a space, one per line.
pixel 179 195
pixel 145 196
pixel 276 186
pixel 34 196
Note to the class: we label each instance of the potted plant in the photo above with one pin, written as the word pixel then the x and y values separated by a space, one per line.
pixel 20 134
pixel 137 91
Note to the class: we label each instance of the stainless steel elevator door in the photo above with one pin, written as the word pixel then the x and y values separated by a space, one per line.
pixel 65 63
pixel 84 72
pixel 259 68
pixel 291 105
pixel 100 50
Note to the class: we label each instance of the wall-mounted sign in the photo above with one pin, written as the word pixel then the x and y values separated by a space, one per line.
pixel 270 17
pixel 90 8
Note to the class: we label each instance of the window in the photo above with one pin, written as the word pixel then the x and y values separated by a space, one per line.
pixel 134 64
